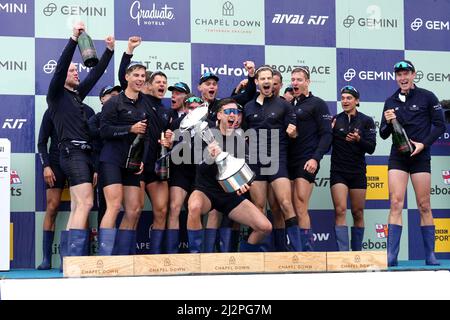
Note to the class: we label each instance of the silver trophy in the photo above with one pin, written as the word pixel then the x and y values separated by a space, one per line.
pixel 233 172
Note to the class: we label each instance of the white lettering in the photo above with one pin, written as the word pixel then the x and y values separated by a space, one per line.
pixel 136 13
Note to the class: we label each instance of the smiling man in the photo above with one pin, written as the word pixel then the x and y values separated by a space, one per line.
pixel 420 113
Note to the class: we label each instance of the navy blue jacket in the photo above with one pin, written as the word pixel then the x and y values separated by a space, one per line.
pixel 68 112
pixel 47 130
pixel 275 114
pixel 421 116
pixel 349 157
pixel 313 128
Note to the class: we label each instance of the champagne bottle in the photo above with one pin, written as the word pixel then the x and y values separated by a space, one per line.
pixel 400 139
pixel 162 165
pixel 87 50
pixel 135 154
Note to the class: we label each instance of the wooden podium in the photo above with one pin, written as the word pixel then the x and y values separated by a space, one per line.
pixel 224 263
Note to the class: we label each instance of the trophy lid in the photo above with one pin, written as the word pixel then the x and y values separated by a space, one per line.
pixel 195 116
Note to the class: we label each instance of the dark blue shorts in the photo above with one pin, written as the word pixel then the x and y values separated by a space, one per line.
pixel 182 176
pixel 77 165
pixel 60 176
pixel 149 175
pixel 281 172
pixel 410 165
pixel 113 174
pixel 351 180
pixel 222 201
pixel 297 171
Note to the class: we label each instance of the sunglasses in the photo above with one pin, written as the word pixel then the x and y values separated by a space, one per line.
pixel 403 65
pixel 349 88
pixel 135 64
pixel 193 99
pixel 230 111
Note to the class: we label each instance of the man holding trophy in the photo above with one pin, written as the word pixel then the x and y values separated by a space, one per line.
pixel 209 193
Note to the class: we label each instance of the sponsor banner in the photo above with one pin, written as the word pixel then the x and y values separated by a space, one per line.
pixel 376 231
pixel 22 188
pixel 315 21
pixel 370 71
pixel 377 163
pixel 368 24
pixel 427 25
pixel 321 63
pixel 60 224
pixel 174 59
pixel 377 183
pixel 442 235
pixel 5 178
pixel 98 16
pixel 432 71
pixel 442 146
pixel 17 122
pixel 17 18
pixel 321 194
pixel 440 189
pixel 156 20
pixel 23 240
pixel 227 62
pixel 17 66
pixel 46 61
pixel 230 22
pixel 322 223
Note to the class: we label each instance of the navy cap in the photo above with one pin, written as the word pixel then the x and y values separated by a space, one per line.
pixel 351 90
pixel 208 75
pixel 289 89
pixel 108 89
pixel 181 87
pixel 404 65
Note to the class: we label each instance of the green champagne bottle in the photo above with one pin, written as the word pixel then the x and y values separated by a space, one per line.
pixel 400 138
pixel 87 50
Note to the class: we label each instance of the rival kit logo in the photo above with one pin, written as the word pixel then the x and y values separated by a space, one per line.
pixel 283 18
pixel 14 123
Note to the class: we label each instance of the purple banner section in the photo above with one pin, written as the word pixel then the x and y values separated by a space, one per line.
pixel 153 20
pixel 17 122
pixel 442 146
pixel 226 61
pixel 302 23
pixel 17 18
pixel 47 55
pixel 23 240
pixel 427 25
pixel 370 71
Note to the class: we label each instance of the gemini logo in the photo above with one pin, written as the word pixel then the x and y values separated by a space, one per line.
pixel 74 10
pixel 370 23
pixel 370 75
pixel 13 8
pixel 10 65
pixel 50 66
pixel 349 21
pixel 228 9
pixel 349 74
pixel 432 77
pixel 430 25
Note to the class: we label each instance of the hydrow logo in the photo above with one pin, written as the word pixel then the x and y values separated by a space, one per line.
pixel 151 17
pixel 225 70
pixel 371 23
pixel 74 10
pixel 430 25
pixel 13 7
pixel 10 65
pixel 432 77
pixel 280 18
pixel 351 73
pixel 13 123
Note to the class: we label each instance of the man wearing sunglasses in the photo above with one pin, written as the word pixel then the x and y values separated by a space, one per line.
pixel 420 113
pixel 208 194
pixel 308 148
pixel 354 135
pixel 208 88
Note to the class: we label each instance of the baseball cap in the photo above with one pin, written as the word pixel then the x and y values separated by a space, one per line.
pixel 134 64
pixel 208 75
pixel 351 90
pixel 108 89
pixel 181 87
pixel 289 89
pixel 404 65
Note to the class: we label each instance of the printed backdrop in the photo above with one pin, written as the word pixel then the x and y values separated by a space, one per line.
pixel 342 41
